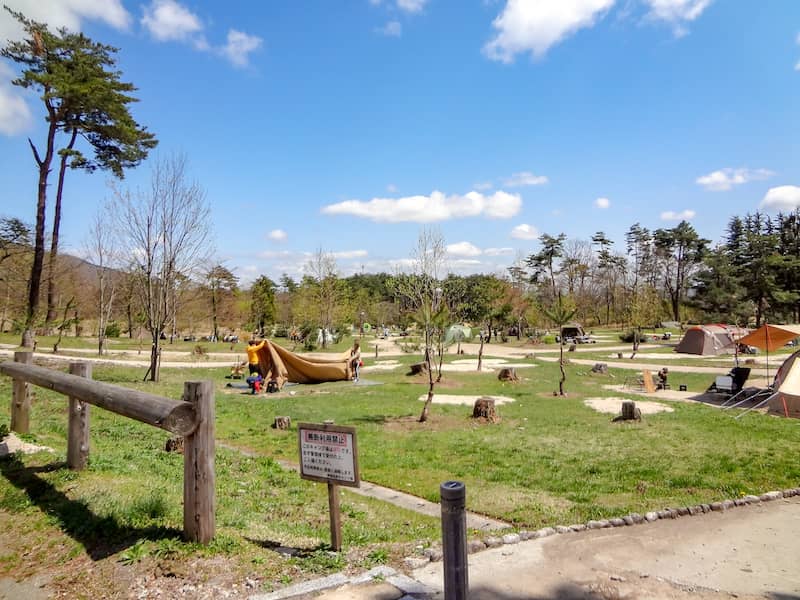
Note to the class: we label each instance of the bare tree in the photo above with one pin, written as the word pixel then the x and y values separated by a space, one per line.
pixel 325 289
pixel 100 252
pixel 422 291
pixel 165 234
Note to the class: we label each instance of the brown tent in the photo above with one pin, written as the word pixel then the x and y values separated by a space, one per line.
pixel 709 339
pixel 281 365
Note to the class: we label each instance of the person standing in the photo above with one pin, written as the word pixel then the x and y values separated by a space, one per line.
pixel 252 356
pixel 355 359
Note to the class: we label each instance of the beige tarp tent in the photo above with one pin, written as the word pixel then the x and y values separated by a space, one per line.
pixel 709 339
pixel 786 398
pixel 282 365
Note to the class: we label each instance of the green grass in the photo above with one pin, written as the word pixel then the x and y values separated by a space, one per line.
pixel 550 460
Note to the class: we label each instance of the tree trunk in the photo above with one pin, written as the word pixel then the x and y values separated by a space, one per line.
pixel 214 313
pixel 38 251
pixel 563 372
pixel 51 265
pixel 480 355
pixel 153 371
pixel 130 319
pixel 427 406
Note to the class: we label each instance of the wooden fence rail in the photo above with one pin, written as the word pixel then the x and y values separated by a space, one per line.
pixel 193 417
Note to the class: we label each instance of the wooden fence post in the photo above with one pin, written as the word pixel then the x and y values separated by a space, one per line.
pixel 21 398
pixel 199 492
pixel 78 429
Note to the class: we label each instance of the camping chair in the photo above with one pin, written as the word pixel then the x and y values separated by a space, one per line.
pixel 740 376
pixel 237 370
pixel 723 384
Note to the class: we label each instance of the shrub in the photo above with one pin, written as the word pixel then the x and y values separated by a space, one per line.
pixel 113 329
pixel 549 339
pixel 281 331
pixel 628 336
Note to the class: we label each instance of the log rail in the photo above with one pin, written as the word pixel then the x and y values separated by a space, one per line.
pixel 191 417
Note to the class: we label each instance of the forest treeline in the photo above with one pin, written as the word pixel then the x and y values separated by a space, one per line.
pixel 670 274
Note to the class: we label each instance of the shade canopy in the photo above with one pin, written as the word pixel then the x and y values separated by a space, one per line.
pixel 770 337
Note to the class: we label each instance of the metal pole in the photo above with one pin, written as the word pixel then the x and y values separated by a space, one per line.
pixel 454 540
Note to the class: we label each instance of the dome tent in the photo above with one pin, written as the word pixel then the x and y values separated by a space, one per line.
pixel 709 340
pixel 457 333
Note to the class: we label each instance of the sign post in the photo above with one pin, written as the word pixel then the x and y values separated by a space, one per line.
pixel 329 454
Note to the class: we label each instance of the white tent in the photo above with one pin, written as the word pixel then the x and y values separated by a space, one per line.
pixel 785 400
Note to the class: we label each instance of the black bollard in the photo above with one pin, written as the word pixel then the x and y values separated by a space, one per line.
pixel 454 540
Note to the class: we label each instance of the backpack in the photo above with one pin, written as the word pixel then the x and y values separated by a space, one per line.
pixel 272 386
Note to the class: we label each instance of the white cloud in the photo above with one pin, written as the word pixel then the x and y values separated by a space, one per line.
pixel 15 116
pixel 782 198
pixel 391 29
pixel 535 27
pixel 677 12
pixel 463 249
pixel 430 209
pixel 525 232
pixel 498 252
pixel 525 178
pixel 671 215
pixel 724 179
pixel 239 46
pixel 62 13
pixel 168 20
pixel 411 6
pixel 602 203
pixel 483 186
pixel 277 235
pixel 345 254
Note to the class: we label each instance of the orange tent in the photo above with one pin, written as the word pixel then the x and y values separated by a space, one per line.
pixel 770 337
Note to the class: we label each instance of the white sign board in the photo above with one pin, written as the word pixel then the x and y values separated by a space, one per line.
pixel 328 454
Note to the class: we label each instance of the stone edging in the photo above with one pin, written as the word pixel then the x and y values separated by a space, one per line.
pixel 434 554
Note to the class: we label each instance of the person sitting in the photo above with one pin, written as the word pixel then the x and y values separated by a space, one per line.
pixel 252 355
pixel 662 379
pixel 355 359
pixel 254 381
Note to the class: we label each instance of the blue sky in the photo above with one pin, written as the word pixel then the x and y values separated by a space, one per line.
pixel 347 126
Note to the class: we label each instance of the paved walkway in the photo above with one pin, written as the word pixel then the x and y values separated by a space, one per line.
pixel 746 552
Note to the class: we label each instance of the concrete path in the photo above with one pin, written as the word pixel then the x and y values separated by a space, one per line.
pixel 425 507
pixel 745 552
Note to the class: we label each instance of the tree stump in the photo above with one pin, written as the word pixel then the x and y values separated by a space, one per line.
pixel 601 368
pixel 282 423
pixel 174 444
pixel 508 374
pixel 484 409
pixel 572 348
pixel 629 412
pixel 419 368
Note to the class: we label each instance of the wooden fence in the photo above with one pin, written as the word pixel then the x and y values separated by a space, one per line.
pixel 192 417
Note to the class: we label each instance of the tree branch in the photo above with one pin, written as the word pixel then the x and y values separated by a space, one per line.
pixel 35 153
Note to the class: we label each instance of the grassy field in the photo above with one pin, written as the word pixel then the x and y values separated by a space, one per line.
pixel 550 460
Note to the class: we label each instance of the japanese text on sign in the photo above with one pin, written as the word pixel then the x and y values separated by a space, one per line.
pixel 328 454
